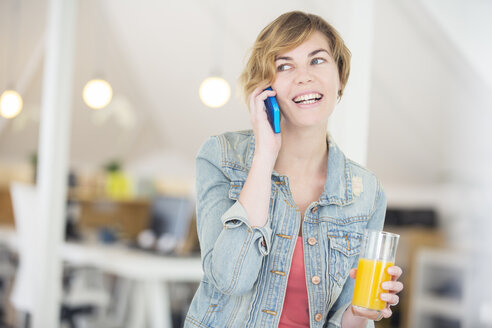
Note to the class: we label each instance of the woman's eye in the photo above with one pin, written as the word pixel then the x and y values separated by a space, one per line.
pixel 317 61
pixel 283 67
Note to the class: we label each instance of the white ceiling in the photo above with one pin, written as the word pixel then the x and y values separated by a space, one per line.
pixel 156 53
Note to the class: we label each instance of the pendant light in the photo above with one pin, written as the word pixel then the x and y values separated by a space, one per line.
pixel 214 90
pixel 97 92
pixel 10 104
pixel 10 100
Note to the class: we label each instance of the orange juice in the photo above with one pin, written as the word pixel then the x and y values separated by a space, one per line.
pixel 370 275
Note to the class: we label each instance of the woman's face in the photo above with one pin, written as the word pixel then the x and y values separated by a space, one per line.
pixel 307 83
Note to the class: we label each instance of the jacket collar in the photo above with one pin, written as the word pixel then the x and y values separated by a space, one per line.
pixel 338 184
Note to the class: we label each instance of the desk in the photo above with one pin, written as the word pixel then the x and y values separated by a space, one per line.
pixel 150 272
pixel 132 263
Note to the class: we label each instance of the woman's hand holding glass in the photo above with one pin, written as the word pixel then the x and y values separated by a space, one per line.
pixel 393 287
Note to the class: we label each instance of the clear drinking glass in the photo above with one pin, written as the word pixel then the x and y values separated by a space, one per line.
pixel 377 254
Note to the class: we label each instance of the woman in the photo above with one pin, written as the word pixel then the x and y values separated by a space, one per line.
pixel 280 216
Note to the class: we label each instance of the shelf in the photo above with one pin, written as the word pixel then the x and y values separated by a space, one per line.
pixel 440 288
pixel 452 259
pixel 440 306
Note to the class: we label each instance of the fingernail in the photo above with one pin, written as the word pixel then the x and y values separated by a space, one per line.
pixel 385 285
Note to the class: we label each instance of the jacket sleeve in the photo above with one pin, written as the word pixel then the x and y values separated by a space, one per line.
pixel 376 222
pixel 232 251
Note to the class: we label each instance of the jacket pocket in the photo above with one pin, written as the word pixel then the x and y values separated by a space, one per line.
pixel 344 249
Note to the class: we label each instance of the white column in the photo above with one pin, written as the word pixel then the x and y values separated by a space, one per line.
pixel 349 124
pixel 54 138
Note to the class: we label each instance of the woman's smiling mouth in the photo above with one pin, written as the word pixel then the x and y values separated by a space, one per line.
pixel 309 98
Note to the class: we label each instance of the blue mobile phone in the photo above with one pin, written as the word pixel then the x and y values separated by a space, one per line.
pixel 273 112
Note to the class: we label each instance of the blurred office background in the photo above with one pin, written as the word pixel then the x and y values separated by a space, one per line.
pixel 97 205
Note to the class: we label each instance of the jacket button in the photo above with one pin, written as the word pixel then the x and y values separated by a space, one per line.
pixel 312 241
pixel 314 210
pixel 315 280
pixel 318 317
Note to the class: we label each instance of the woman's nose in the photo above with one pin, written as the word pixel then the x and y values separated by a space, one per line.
pixel 303 75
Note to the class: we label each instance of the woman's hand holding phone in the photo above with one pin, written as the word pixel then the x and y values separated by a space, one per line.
pixel 255 195
pixel 267 143
pixel 273 112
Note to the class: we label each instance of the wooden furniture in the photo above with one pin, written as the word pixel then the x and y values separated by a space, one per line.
pixel 126 217
pixel 6 212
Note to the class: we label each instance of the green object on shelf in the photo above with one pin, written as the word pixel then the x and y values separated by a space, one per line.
pixel 113 166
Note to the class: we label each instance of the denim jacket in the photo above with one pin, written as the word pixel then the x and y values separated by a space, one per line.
pixel 246 268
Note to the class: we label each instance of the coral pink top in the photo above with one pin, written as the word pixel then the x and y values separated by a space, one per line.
pixel 295 313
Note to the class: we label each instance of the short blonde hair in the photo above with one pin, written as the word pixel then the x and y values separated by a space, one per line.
pixel 285 33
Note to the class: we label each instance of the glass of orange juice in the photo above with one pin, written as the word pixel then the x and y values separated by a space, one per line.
pixel 377 254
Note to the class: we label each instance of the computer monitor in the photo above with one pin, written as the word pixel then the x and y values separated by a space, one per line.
pixel 170 221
